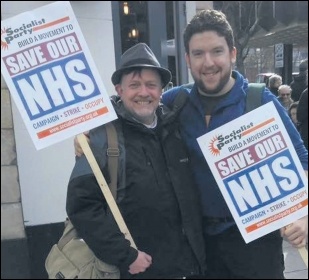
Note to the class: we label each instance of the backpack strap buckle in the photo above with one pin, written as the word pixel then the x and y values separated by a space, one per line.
pixel 112 152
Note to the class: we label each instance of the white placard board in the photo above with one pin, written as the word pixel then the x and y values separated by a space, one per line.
pixel 51 75
pixel 258 172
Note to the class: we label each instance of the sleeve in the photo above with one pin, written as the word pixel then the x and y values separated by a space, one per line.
pixel 302 109
pixel 88 210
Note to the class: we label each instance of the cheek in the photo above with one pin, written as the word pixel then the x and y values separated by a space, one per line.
pixel 155 93
pixel 196 65
pixel 127 94
pixel 156 96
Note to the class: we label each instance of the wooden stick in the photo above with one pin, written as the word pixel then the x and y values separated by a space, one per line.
pixel 104 188
pixel 304 254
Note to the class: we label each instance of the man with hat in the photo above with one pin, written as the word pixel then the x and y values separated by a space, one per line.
pixel 299 83
pixel 156 196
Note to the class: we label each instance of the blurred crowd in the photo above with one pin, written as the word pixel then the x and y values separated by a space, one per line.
pixel 294 98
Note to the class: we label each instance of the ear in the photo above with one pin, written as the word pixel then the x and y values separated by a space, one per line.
pixel 233 55
pixel 118 88
pixel 187 57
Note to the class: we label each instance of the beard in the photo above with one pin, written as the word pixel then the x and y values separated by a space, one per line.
pixel 202 86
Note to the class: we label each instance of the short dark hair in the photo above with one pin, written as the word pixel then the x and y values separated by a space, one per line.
pixel 209 20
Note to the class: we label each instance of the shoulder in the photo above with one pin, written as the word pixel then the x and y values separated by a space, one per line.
pixel 267 95
pixel 169 97
pixel 97 135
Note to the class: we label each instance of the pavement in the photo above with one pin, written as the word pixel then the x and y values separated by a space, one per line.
pixel 295 267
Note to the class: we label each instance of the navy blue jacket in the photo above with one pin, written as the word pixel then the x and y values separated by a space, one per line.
pixel 193 125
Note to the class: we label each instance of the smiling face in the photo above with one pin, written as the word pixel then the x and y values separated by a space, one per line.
pixel 140 93
pixel 285 92
pixel 211 62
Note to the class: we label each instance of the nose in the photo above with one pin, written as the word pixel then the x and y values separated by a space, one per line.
pixel 143 90
pixel 208 60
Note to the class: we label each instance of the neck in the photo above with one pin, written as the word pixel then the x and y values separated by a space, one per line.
pixel 153 124
pixel 149 124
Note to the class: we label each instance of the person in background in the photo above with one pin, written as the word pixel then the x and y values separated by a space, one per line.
pixel 216 98
pixel 157 197
pixel 302 116
pixel 274 82
pixel 266 79
pixel 299 82
pixel 293 113
pixel 284 96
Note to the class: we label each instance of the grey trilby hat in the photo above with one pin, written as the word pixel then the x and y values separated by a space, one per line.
pixel 140 55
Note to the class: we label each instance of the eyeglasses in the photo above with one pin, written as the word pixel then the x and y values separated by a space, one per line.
pixel 285 94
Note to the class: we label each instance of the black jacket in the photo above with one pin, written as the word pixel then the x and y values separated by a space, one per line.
pixel 158 201
pixel 298 85
pixel 302 116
